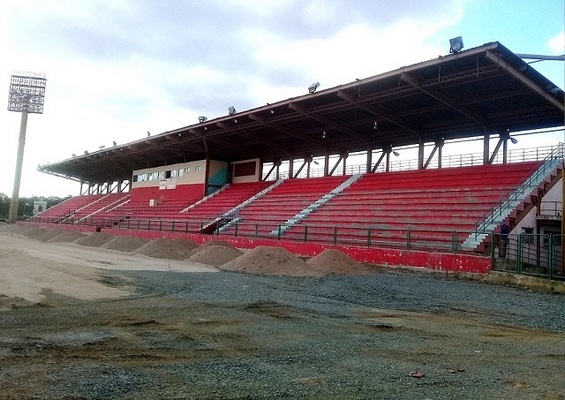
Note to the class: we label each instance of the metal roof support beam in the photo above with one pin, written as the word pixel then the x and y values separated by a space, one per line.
pixel 502 140
pixel 382 156
pixel 270 171
pixel 486 145
pixel 437 148
pixel 279 128
pixel 220 141
pixel 520 77
pixel 227 127
pixel 379 112
pixel 336 165
pixel 326 121
pixel 448 101
pixel 300 169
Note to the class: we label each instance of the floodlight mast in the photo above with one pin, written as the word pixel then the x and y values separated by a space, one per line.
pixel 27 94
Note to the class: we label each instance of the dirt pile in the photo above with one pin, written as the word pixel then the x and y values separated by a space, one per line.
pixel 95 239
pixel 269 260
pixel 33 232
pixel 10 228
pixel 172 249
pixel 335 262
pixel 215 255
pixel 66 237
pixel 50 234
pixel 125 243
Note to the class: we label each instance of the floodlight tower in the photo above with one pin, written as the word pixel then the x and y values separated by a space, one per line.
pixel 27 93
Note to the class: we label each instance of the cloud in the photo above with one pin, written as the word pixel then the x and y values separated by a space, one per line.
pixel 557 43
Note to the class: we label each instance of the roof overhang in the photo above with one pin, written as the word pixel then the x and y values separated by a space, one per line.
pixel 487 89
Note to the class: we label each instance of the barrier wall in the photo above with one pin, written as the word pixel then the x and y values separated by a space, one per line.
pixel 457 262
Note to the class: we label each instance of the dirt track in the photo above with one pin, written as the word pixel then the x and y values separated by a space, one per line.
pixel 227 335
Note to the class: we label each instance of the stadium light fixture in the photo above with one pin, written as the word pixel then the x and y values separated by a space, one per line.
pixel 231 110
pixel 513 140
pixel 313 87
pixel 26 95
pixel 396 153
pixel 202 119
pixel 456 44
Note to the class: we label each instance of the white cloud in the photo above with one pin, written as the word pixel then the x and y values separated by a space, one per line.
pixel 557 43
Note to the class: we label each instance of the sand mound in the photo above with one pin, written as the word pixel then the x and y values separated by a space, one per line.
pixel 125 243
pixel 33 232
pixel 334 262
pixel 268 260
pixel 211 243
pixel 215 255
pixel 11 228
pixel 172 249
pixel 67 237
pixel 50 234
pixel 95 239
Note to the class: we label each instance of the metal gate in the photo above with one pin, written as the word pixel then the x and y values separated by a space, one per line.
pixel 530 254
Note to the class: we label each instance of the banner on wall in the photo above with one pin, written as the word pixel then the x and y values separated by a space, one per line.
pixel 170 183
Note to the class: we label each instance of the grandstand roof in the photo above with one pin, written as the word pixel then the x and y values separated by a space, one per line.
pixel 461 95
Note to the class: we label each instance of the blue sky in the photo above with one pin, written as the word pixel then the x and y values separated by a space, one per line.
pixel 119 68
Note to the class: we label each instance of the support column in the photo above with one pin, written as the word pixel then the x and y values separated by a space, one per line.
pixel 421 154
pixel 13 217
pixel 486 150
pixel 369 158
pixel 291 166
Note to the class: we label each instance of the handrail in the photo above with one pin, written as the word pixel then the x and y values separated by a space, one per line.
pixel 496 211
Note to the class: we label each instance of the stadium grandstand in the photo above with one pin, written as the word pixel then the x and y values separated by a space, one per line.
pixel 284 173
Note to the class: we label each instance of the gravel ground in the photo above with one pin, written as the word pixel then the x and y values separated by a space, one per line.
pixel 235 336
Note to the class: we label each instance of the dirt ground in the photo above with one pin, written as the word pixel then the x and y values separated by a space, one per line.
pixel 79 321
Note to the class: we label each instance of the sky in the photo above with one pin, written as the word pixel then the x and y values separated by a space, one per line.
pixel 117 69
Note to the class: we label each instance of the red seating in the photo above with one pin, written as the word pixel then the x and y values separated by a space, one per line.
pixel 432 203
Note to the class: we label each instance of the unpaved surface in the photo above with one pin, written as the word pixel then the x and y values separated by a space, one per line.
pixel 169 334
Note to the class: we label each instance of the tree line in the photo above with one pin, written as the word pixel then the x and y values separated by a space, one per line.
pixel 25 204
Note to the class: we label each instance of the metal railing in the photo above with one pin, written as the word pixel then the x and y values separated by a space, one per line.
pixel 406 237
pixel 537 255
pixel 500 210
pixel 448 161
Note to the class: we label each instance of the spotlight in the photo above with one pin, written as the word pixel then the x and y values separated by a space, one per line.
pixel 202 118
pixel 375 126
pixel 114 143
pixel 148 133
pixel 85 152
pixel 456 44
pixel 396 153
pixel 513 140
pixel 313 87
pixel 74 155
pixel 235 121
pixel 323 134
pixel 231 110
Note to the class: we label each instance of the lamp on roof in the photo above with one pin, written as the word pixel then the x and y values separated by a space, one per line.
pixel 202 118
pixel 231 110
pixel 456 44
pixel 313 87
